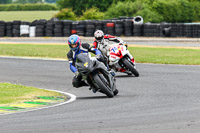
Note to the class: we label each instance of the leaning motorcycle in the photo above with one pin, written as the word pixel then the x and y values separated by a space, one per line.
pixel 95 74
pixel 121 60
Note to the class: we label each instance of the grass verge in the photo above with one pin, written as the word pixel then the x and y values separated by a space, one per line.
pixel 11 93
pixel 26 15
pixel 31 50
pixel 166 55
pixel 141 54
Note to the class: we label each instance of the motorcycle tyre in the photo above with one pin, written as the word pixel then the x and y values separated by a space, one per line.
pixel 102 86
pixel 131 67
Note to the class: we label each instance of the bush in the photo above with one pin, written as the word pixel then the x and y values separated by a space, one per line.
pixel 66 13
pixel 28 7
pixel 92 14
pixel 26 1
pixel 174 10
pixel 196 7
pixel 150 16
pixel 79 6
pixel 127 8
pixel 161 10
pixel 5 1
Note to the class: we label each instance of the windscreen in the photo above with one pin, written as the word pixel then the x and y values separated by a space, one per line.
pixel 82 58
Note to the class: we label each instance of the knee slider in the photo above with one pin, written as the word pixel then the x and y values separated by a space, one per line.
pixel 75 84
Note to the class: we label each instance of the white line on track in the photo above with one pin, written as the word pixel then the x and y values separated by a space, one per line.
pixel 32 58
pixel 72 96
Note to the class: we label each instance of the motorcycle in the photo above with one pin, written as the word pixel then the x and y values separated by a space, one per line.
pixel 95 74
pixel 121 60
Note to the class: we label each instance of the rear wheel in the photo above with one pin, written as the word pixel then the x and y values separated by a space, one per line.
pixel 103 85
pixel 130 67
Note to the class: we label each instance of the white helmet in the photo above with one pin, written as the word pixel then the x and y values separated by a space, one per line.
pixel 99 35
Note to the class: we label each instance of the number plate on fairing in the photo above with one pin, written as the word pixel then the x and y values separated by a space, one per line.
pixel 114 50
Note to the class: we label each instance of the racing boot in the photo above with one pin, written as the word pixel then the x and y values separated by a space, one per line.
pixel 93 90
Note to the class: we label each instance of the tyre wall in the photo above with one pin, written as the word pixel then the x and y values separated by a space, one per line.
pixel 123 26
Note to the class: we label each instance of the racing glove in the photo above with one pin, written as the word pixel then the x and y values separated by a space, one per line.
pixel 123 43
pixel 76 74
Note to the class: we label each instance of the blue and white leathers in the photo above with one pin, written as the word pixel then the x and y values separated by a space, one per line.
pixel 84 48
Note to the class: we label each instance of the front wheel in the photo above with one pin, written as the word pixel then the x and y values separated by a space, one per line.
pixel 100 81
pixel 130 67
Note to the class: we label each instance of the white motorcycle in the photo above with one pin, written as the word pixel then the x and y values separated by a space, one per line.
pixel 121 60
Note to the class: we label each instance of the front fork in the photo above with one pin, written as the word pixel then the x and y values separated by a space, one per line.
pixel 131 60
pixel 131 57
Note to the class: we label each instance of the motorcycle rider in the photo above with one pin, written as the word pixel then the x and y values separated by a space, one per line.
pixel 76 47
pixel 101 39
pixel 100 43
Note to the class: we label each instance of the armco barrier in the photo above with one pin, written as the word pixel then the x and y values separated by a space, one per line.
pixel 123 26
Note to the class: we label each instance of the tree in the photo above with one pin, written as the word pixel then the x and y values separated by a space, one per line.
pixel 127 8
pixel 66 13
pixel 5 1
pixel 92 14
pixel 27 1
pixel 175 10
pixel 50 1
pixel 79 6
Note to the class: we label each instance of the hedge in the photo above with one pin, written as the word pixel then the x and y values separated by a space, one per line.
pixel 27 7
pixel 172 11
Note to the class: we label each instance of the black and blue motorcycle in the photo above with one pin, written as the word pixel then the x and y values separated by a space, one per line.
pixel 96 75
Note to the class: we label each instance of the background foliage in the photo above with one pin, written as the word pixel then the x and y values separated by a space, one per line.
pixel 151 10
pixel 127 8
pixel 27 1
pixel 27 7
pixel 92 14
pixel 66 13
pixel 174 11
pixel 158 10
pixel 5 1
pixel 79 6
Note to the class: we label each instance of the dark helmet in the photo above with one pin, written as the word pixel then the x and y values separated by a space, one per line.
pixel 74 42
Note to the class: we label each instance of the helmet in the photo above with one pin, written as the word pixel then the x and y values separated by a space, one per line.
pixel 99 35
pixel 74 42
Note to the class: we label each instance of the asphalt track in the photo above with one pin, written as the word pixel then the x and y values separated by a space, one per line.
pixel 164 99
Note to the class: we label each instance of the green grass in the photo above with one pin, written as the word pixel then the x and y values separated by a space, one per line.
pixel 10 93
pixel 26 15
pixel 31 50
pixel 166 55
pixel 141 54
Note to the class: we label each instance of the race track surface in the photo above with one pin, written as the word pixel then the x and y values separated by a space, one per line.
pixel 164 99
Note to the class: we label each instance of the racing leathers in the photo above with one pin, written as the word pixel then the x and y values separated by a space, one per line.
pixel 71 55
pixel 104 44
